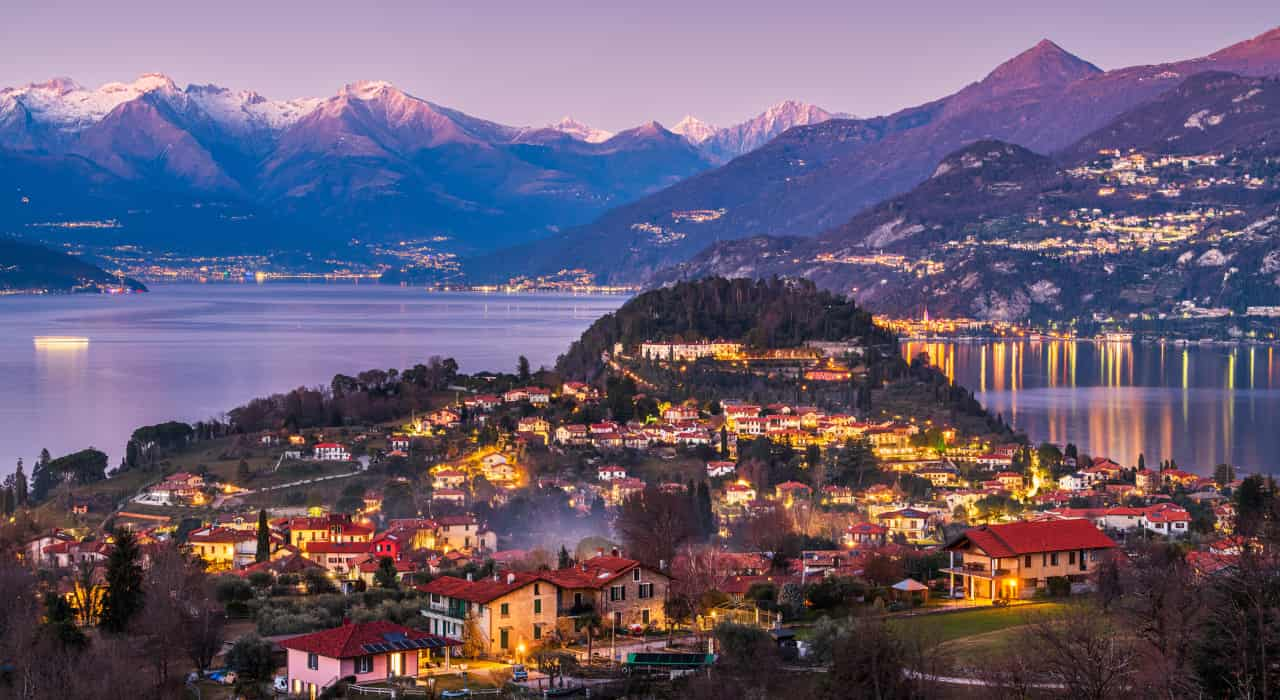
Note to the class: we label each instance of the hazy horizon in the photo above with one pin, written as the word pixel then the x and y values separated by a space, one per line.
pixel 610 67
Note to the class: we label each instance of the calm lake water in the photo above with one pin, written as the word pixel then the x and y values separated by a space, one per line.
pixel 1199 405
pixel 189 352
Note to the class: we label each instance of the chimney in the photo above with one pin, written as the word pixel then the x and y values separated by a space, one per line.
pixel 469 576
pixel 613 552
pixel 662 565
pixel 511 578
pixel 599 551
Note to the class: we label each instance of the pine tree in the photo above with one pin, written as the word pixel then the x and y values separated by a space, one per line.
pixel 264 538
pixel 522 368
pixel 124 597
pixel 1142 461
pixel 7 504
pixel 43 478
pixel 564 562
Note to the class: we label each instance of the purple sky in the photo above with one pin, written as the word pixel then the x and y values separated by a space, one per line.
pixel 610 64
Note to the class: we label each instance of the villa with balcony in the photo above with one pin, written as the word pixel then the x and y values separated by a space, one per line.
pixel 1017 559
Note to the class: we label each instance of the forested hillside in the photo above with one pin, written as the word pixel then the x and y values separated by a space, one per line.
pixel 29 267
pixel 761 313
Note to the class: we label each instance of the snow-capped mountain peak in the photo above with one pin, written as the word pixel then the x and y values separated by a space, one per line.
pixel 582 132
pixel 693 129
pixel 368 89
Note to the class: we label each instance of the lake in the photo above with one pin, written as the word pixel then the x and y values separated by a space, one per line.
pixel 104 365
pixel 1199 405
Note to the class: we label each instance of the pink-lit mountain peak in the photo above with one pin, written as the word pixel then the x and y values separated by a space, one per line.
pixel 1045 64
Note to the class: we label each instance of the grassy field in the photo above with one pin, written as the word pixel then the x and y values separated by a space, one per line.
pixel 948 627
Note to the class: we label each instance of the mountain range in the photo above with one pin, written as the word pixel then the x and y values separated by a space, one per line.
pixel 1170 210
pixel 371 162
pixel 813 178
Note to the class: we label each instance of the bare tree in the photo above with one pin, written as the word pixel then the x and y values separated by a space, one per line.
pixel 1079 649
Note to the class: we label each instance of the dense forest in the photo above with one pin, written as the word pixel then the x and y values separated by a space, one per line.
pixel 26 266
pixel 761 313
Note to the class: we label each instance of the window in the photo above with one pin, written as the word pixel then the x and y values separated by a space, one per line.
pixel 313 661
pixel 644 590
pixel 537 606
pixel 617 592
pixel 644 616
pixel 504 638
pixel 364 664
pixel 537 632
pixel 1026 561
pixel 536 589
pixel 577 600
pixel 1053 559
pixel 1071 557
pixel 635 575
pixel 505 609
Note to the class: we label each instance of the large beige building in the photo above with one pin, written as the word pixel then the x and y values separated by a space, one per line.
pixel 1017 559
pixel 505 616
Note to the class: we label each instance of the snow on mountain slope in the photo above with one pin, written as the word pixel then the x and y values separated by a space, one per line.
pixel 64 105
pixel 693 129
pixel 249 110
pixel 580 131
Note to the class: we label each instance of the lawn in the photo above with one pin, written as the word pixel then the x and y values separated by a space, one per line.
pixel 947 627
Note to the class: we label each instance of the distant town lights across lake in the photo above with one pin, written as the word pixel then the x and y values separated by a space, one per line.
pixel 1199 405
pixel 87 370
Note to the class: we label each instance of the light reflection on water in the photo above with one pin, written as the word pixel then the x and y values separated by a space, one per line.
pixel 1199 405
pixel 88 370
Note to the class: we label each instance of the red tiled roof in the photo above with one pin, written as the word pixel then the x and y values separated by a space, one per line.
pixel 1014 539
pixel 221 535
pixel 348 640
pixel 292 564
pixel 482 591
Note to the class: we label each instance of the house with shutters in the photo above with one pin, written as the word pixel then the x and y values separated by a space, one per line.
pixel 621 591
pixel 1016 560
pixel 370 651
pixel 501 615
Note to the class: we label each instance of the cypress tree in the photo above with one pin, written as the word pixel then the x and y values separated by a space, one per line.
pixel 264 538
pixel 124 596
pixel 706 517
pixel 20 486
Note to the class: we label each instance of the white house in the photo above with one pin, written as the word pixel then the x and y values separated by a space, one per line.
pixel 715 469
pixel 611 472
pixel 1074 482
pixel 331 452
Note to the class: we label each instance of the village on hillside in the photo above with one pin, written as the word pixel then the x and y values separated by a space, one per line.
pixel 525 532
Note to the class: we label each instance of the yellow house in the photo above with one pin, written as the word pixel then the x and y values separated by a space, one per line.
pixel 327 528
pixel 506 616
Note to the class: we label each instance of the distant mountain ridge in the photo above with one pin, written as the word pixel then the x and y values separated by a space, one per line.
pixel 1171 209
pixel 371 162
pixel 812 178
pixel 26 267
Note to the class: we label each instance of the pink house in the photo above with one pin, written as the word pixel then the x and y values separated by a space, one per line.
pixel 370 651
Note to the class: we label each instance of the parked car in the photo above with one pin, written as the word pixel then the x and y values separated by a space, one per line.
pixel 280 684
pixel 223 676
pixel 519 673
